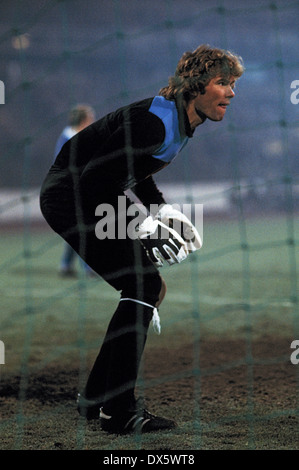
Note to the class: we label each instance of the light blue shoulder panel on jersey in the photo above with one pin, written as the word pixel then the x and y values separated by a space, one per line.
pixel 173 142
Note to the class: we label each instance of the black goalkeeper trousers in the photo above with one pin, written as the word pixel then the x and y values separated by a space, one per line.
pixel 124 264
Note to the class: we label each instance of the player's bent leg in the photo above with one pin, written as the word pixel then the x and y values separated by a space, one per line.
pixel 162 293
pixel 121 413
pixel 112 379
pixel 123 264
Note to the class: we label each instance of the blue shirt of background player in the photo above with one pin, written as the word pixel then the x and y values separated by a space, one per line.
pixel 67 133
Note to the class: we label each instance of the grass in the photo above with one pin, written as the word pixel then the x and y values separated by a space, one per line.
pixel 223 288
pixel 216 283
pixel 242 284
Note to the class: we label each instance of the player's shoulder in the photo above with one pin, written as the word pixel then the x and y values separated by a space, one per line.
pixel 150 104
pixel 138 114
pixel 137 118
pixel 136 107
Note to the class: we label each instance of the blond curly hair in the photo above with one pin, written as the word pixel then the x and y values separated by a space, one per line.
pixel 195 69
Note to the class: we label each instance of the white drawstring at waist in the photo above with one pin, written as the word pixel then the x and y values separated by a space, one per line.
pixel 156 318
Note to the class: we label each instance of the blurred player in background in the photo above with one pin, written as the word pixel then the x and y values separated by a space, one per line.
pixel 118 152
pixel 80 116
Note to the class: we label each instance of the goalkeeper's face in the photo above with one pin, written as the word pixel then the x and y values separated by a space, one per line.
pixel 213 103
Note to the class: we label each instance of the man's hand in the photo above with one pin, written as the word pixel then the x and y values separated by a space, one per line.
pixel 176 220
pixel 161 242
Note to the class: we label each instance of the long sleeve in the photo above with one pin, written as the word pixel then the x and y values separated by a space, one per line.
pixel 148 193
pixel 122 153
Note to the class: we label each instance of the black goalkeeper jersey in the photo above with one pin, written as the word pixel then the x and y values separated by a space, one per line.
pixel 124 149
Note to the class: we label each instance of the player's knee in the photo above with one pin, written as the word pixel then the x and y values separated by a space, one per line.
pixel 152 288
pixel 162 293
pixel 147 288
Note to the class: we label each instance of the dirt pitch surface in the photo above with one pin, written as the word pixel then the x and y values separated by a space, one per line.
pixel 236 407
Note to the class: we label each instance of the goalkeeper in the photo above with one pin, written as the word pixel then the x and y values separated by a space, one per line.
pixel 118 152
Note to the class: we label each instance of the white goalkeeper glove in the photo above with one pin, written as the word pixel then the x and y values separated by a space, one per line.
pixel 176 220
pixel 161 242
